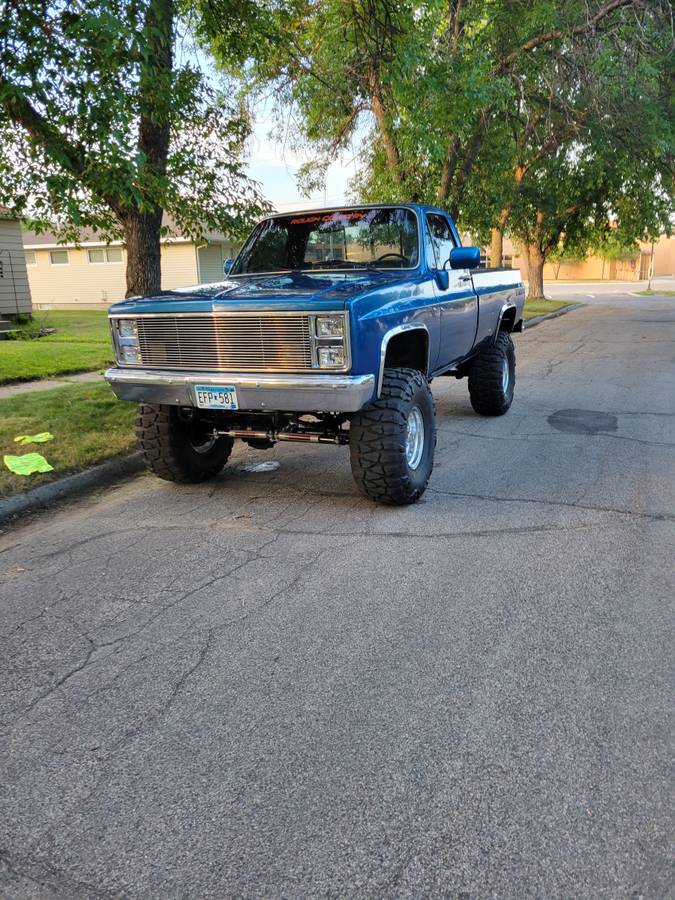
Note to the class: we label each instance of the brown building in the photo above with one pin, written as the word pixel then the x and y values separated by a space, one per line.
pixel 594 267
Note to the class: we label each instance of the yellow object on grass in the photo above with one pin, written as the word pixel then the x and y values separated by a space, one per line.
pixel 41 438
pixel 28 464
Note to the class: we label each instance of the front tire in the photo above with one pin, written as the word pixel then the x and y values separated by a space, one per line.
pixel 178 446
pixel 492 377
pixel 392 440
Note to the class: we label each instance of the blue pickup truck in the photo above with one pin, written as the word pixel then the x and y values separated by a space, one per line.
pixel 328 328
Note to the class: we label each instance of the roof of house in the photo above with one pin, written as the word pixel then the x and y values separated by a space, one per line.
pixel 88 237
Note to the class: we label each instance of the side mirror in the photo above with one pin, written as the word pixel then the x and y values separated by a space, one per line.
pixel 465 258
pixel 227 266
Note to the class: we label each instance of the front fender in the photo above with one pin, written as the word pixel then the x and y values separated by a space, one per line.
pixel 393 332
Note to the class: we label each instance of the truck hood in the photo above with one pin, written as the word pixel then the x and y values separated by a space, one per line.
pixel 289 290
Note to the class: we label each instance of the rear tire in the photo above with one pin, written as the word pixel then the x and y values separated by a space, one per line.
pixel 176 446
pixel 492 377
pixel 392 440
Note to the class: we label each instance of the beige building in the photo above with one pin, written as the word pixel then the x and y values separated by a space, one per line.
pixel 594 267
pixel 91 274
pixel 14 291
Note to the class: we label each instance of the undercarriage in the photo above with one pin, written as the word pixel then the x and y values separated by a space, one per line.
pixel 262 430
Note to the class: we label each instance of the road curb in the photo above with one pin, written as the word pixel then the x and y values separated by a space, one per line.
pixel 530 323
pixel 47 494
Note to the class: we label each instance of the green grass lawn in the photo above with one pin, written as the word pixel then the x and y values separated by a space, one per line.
pixel 535 308
pixel 649 293
pixel 81 326
pixel 88 422
pixel 81 343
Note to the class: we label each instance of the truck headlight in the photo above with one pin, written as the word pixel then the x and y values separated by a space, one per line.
pixel 330 339
pixel 129 354
pixel 127 328
pixel 330 326
pixel 331 357
pixel 126 341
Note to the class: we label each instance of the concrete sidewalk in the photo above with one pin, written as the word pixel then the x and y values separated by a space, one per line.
pixel 25 387
pixel 556 290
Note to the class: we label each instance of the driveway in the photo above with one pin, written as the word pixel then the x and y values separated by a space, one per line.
pixel 268 686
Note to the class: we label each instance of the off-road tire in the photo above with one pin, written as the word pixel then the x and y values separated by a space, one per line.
pixel 378 436
pixel 487 392
pixel 167 440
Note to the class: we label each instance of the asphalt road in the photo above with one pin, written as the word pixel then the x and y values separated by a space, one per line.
pixel 269 686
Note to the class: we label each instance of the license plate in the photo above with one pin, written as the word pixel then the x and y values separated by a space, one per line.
pixel 210 397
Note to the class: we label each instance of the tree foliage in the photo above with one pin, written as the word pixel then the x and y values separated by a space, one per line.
pixel 517 116
pixel 102 126
pixel 601 182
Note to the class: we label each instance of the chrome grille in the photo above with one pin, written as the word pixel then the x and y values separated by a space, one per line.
pixel 237 343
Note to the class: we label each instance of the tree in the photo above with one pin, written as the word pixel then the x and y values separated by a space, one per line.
pixel 100 126
pixel 583 199
pixel 588 177
pixel 468 100
pixel 436 81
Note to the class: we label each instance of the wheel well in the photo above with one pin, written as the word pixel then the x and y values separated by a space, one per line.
pixel 409 349
pixel 508 320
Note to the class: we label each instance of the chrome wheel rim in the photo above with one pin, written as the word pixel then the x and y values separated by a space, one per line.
pixel 201 439
pixel 206 445
pixel 414 441
pixel 506 375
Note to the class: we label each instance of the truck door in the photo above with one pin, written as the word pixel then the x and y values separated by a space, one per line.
pixel 458 302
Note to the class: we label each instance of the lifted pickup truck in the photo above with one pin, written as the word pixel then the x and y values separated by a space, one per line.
pixel 329 327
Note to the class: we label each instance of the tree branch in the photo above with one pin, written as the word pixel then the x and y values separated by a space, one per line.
pixel 472 152
pixel 387 137
pixel 448 170
pixel 155 85
pixel 72 157
pixel 558 34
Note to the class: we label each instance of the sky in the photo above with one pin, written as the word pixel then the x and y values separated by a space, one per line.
pixel 275 167
pixel 272 165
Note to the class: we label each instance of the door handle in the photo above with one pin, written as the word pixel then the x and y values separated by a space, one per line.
pixel 463 278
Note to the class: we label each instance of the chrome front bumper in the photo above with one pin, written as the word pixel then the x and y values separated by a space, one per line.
pixel 283 393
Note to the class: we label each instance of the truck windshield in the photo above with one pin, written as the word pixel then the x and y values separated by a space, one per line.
pixel 384 238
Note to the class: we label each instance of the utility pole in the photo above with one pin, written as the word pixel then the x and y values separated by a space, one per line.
pixel 651 269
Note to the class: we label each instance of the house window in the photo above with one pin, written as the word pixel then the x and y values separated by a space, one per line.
pixel 58 257
pixel 104 255
pixel 30 257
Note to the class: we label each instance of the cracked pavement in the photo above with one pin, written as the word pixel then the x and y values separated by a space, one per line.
pixel 270 687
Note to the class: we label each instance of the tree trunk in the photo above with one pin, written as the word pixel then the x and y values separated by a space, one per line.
pixel 497 238
pixel 142 234
pixel 377 101
pixel 496 247
pixel 535 271
pixel 142 229
pixel 448 171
